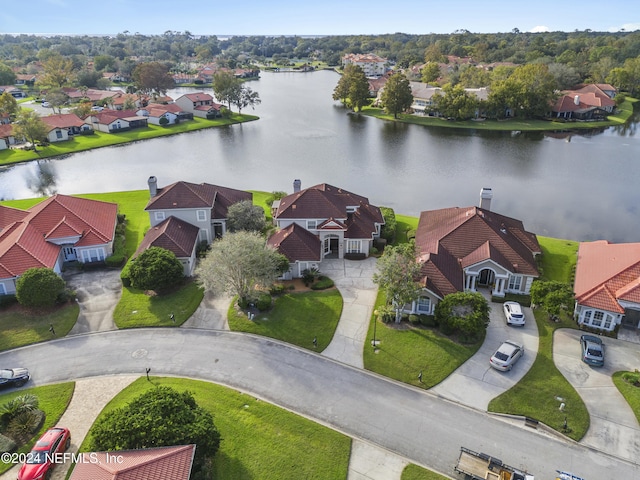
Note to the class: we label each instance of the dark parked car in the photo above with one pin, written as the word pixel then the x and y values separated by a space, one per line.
pixel 14 377
pixel 592 350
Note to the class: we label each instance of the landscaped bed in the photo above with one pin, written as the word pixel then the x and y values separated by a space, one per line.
pixel 259 440
pixel 629 385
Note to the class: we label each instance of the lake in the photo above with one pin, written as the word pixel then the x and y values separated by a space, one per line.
pixel 581 187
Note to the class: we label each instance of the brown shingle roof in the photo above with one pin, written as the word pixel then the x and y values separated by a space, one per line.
pixel 296 243
pixel 63 120
pixel 162 463
pixel 172 234
pixel 190 195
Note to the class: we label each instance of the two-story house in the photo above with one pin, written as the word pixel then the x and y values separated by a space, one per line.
pixel 343 224
pixel 200 104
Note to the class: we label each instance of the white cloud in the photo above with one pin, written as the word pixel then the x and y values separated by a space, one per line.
pixel 627 27
pixel 540 28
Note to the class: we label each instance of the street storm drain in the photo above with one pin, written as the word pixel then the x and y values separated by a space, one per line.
pixel 140 353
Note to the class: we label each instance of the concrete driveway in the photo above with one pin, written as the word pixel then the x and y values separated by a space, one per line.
pixel 475 383
pixel 98 292
pixel 613 427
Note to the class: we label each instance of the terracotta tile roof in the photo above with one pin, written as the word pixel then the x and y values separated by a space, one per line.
pixel 607 273
pixel 190 195
pixel 454 238
pixel 206 108
pixel 6 130
pixel 199 97
pixel 172 234
pixel 162 463
pixel 296 243
pixel 63 120
pixel 22 247
pixel 156 109
pixel 106 117
pixel 8 215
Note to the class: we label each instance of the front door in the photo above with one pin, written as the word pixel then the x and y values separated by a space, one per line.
pixel 69 254
pixel 486 277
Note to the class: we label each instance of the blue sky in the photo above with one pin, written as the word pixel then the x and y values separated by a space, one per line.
pixel 323 17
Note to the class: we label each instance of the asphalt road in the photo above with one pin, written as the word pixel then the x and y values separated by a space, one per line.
pixel 416 424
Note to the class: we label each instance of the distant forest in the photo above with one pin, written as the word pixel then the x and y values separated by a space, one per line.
pixel 589 56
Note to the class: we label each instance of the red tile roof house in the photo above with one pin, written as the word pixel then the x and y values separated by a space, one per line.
pixel 172 112
pixel 202 205
pixel 200 104
pixel 62 126
pixel 607 285
pixel 462 249
pixel 6 136
pixel 57 230
pixel 161 463
pixel 114 121
pixel 344 224
pixel 587 103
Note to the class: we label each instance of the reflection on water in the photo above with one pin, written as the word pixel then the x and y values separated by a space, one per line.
pixel 579 185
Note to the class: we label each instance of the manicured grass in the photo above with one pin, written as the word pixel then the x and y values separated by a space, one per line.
pixel 259 440
pixel 52 400
pixel 535 395
pixel 631 393
pixel 414 472
pixel 99 139
pixel 404 224
pixel 259 199
pixel 20 327
pixel 558 259
pixel 136 309
pixel 295 318
pixel 403 353
pixel 625 111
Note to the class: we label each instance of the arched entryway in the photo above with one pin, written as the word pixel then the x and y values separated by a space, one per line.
pixel 486 278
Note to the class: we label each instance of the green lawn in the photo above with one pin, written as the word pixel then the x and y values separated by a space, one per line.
pixel 296 318
pixel 630 392
pixel 403 353
pixel 99 139
pixel 259 440
pixel 404 224
pixel 414 472
pixel 535 395
pixel 625 111
pixel 22 327
pixel 136 309
pixel 558 259
pixel 53 401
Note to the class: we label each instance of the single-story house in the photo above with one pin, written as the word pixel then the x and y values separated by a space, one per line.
pixel 59 229
pixel 464 249
pixel 172 112
pixel 13 91
pixel 302 248
pixel 63 125
pixel 202 205
pixel 172 463
pixel 6 136
pixel 113 121
pixel 25 79
pixel 607 285
pixel 344 223
pixel 94 95
pixel 177 236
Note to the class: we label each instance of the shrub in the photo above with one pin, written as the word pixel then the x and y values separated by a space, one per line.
pixel 464 313
pixel 39 287
pixel 155 269
pixel 66 296
pixel 264 302
pixel 414 319
pixel 277 195
pixel 309 275
pixel 7 300
pixel 124 276
pixel 386 313
pixel 411 234
pixel 428 321
pixel 115 260
pixel 389 228
pixel 277 289
pixel 163 121
pixel 323 283
pixel 24 424
pixel 6 444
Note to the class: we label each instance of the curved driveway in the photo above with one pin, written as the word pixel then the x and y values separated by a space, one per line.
pixel 613 426
pixel 405 420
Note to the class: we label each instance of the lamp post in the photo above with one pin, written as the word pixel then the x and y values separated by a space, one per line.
pixel 375 322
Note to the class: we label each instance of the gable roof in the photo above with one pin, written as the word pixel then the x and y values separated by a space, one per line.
pixel 198 97
pixel 607 273
pixel 26 241
pixel 451 239
pixel 6 130
pixel 63 120
pixel 145 464
pixel 296 243
pixel 172 234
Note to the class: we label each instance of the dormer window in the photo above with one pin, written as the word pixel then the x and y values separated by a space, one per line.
pixel 351 209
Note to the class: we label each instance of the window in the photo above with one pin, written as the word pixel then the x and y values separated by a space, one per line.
pixel 353 246
pixel 608 319
pixel 202 235
pixel 515 282
pixel 597 319
pixel 424 305
pixel 201 215
pixel 159 216
pixel 312 224
pixel 351 209
pixel 58 133
pixel 3 290
pixel 586 317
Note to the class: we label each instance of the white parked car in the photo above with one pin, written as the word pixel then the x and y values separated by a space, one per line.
pixel 506 356
pixel 513 313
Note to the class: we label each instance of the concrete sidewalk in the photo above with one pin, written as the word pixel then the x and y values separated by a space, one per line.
pixel 353 278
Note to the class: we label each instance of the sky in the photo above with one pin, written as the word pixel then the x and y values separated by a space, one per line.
pixel 320 17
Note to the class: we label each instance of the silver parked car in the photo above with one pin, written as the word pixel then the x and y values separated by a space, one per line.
pixel 592 350
pixel 513 313
pixel 506 356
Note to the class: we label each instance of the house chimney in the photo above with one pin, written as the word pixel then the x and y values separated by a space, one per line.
pixel 485 198
pixel 297 184
pixel 153 186
pixel 576 99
